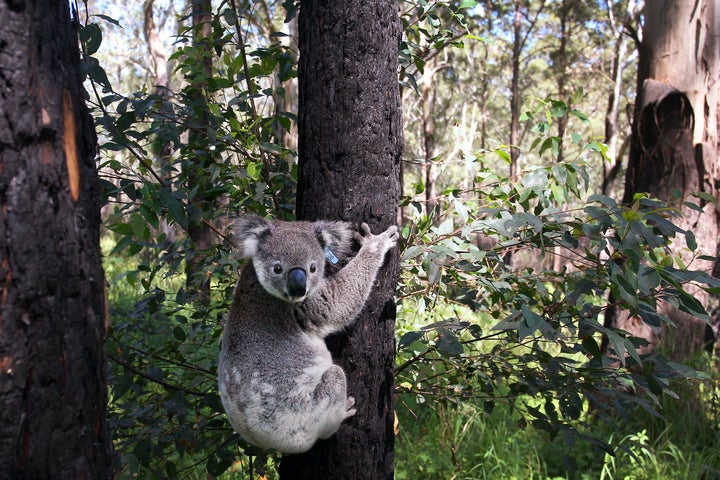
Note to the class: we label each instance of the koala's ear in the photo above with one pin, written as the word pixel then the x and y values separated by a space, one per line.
pixel 337 236
pixel 248 232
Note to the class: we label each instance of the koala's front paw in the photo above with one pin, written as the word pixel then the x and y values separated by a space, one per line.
pixel 349 407
pixel 378 243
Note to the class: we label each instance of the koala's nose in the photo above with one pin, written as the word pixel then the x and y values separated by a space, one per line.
pixel 297 282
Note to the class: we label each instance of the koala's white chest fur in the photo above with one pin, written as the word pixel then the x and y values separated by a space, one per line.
pixel 277 381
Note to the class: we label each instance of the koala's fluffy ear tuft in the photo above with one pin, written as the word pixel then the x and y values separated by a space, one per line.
pixel 337 236
pixel 248 232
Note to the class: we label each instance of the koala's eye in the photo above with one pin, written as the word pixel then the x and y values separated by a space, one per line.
pixel 277 268
pixel 313 267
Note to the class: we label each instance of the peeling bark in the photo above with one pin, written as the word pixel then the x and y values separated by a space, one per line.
pixel 674 146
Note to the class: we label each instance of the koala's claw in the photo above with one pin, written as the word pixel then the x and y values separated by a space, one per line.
pixel 381 242
pixel 349 407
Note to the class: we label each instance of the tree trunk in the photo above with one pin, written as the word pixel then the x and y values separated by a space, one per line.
pixel 427 101
pixel 350 146
pixel 53 314
pixel 515 91
pixel 561 65
pixel 198 177
pixel 675 125
pixel 161 77
pixel 620 60
pixel 162 148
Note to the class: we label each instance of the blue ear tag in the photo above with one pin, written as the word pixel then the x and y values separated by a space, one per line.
pixel 331 256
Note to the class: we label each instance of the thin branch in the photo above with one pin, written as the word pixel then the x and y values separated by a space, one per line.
pixel 144 375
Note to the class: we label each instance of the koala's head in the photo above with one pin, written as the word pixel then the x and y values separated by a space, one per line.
pixel 289 257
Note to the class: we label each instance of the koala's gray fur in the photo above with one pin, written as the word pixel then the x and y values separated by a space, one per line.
pixel 278 383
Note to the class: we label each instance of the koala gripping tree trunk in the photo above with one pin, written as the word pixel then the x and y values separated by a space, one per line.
pixel 52 303
pixel 350 143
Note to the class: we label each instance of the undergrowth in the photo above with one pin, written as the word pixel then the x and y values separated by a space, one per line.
pixel 463 442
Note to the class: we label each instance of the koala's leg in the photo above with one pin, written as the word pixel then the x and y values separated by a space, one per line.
pixel 332 401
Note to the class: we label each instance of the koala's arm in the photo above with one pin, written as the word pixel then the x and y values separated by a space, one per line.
pixel 342 297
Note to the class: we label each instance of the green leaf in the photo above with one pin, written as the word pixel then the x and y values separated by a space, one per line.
pixel 218 463
pixel 179 334
pixel 448 343
pixel 108 19
pixel 90 67
pixel 291 8
pixel 253 170
pixel 409 338
pixel 271 148
pixel 531 323
pixel 445 228
pixel 229 16
pixel 705 196
pixel 686 371
pixel 503 155
pixel 461 210
pixel 559 108
pixel 174 206
pixel 578 114
pixel 692 306
pixel 91 37
pixel 617 343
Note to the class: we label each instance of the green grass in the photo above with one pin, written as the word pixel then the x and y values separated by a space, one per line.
pixel 437 442
pixel 463 443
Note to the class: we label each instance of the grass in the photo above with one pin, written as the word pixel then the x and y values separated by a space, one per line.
pixel 440 440
pixel 437 441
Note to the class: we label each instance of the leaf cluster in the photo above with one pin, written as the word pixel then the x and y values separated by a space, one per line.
pixel 516 282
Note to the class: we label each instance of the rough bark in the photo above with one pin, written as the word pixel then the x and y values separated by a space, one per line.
pixel 674 145
pixel 53 315
pixel 350 145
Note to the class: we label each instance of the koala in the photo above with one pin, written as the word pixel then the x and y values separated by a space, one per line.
pixel 278 384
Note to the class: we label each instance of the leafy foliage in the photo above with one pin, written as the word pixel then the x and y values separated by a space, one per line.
pixel 533 337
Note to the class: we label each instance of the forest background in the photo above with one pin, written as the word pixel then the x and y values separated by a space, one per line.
pixel 517 126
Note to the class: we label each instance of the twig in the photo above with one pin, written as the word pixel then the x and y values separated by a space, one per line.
pixel 165 384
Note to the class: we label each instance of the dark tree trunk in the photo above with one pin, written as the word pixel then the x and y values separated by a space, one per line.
pixel 53 391
pixel 350 143
pixel 674 137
